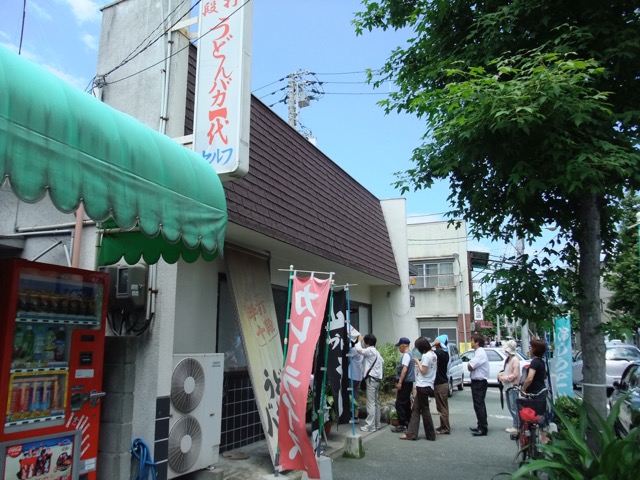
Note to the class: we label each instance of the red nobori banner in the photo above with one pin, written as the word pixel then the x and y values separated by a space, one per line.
pixel 309 298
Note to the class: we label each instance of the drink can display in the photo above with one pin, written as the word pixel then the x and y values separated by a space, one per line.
pixel 15 405
pixel 27 394
pixel 55 399
pixel 37 397
pixel 46 397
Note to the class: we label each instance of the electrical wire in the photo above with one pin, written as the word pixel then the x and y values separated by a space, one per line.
pixel 346 73
pixel 269 84
pixel 181 49
pixel 134 54
pixel 356 93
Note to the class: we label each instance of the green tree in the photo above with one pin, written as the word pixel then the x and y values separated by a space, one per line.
pixel 622 273
pixel 531 113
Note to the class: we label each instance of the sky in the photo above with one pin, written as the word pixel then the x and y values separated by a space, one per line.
pixel 288 35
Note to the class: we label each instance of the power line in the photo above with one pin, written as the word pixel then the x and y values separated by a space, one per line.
pixel 347 73
pixel 133 53
pixel 269 84
pixel 355 93
pixel 183 48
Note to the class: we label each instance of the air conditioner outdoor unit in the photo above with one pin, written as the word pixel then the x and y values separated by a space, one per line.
pixel 196 412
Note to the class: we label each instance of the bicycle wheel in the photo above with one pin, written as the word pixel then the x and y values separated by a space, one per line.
pixel 523 441
pixel 535 442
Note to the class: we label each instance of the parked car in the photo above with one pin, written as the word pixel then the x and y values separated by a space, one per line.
pixel 456 372
pixel 617 357
pixel 629 386
pixel 496 357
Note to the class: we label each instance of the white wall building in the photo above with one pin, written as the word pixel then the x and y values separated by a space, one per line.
pixel 440 287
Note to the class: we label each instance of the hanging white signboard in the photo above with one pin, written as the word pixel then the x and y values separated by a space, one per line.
pixel 223 86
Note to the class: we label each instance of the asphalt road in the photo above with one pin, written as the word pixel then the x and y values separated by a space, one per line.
pixel 456 456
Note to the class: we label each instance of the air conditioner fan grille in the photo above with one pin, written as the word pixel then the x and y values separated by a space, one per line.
pixel 187 385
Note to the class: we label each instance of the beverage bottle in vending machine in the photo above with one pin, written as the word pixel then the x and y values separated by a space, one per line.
pixel 27 344
pixel 50 345
pixel 61 338
pixel 18 339
pixel 38 345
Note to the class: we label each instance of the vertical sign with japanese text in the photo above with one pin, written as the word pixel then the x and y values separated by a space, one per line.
pixel 251 286
pixel 223 93
pixel 562 358
pixel 308 302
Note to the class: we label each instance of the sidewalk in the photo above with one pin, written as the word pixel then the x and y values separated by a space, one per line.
pixel 450 457
pixel 252 462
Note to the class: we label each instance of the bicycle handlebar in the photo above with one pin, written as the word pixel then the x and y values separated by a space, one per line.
pixel 531 395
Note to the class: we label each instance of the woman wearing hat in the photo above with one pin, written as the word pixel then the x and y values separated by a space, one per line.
pixel 510 377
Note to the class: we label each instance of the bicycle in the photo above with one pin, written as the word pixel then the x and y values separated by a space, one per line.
pixel 528 436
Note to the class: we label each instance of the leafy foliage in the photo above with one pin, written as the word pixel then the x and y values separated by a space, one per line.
pixel 570 409
pixel 569 456
pixel 622 273
pixel 391 356
pixel 532 111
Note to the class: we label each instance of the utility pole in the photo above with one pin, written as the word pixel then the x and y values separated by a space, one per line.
pixel 524 335
pixel 464 320
pixel 293 105
pixel 303 87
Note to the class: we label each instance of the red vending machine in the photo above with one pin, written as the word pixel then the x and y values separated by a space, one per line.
pixel 51 357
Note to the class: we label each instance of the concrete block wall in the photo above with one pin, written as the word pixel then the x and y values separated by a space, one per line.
pixel 116 423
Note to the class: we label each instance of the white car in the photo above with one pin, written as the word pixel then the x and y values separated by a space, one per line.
pixel 617 358
pixel 496 356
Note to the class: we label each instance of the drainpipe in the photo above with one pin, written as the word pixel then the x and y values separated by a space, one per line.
pixel 77 236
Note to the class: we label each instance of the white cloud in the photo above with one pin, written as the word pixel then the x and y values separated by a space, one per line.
pixel 38 10
pixel 77 82
pixel 90 41
pixel 85 10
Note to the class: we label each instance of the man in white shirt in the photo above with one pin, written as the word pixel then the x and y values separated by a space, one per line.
pixel 372 370
pixel 479 368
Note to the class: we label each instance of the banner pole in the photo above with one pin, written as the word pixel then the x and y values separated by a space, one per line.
pixel 292 274
pixel 353 407
pixel 326 361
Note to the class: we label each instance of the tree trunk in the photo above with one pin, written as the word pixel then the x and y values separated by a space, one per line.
pixel 591 337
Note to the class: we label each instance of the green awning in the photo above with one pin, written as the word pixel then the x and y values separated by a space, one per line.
pixel 56 139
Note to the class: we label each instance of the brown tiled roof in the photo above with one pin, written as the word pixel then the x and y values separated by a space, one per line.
pixel 296 194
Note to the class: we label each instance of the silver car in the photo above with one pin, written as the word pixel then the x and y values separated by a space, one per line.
pixel 496 356
pixel 617 357
pixel 456 372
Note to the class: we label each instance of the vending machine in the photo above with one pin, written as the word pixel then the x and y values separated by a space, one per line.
pixel 51 358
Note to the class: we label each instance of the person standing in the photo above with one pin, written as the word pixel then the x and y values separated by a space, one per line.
pixel 510 378
pixel 355 369
pixel 426 368
pixel 405 378
pixel 441 385
pixel 535 384
pixel 479 368
pixel 372 369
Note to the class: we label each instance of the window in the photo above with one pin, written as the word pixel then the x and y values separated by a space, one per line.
pixel 432 274
pixel 493 356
